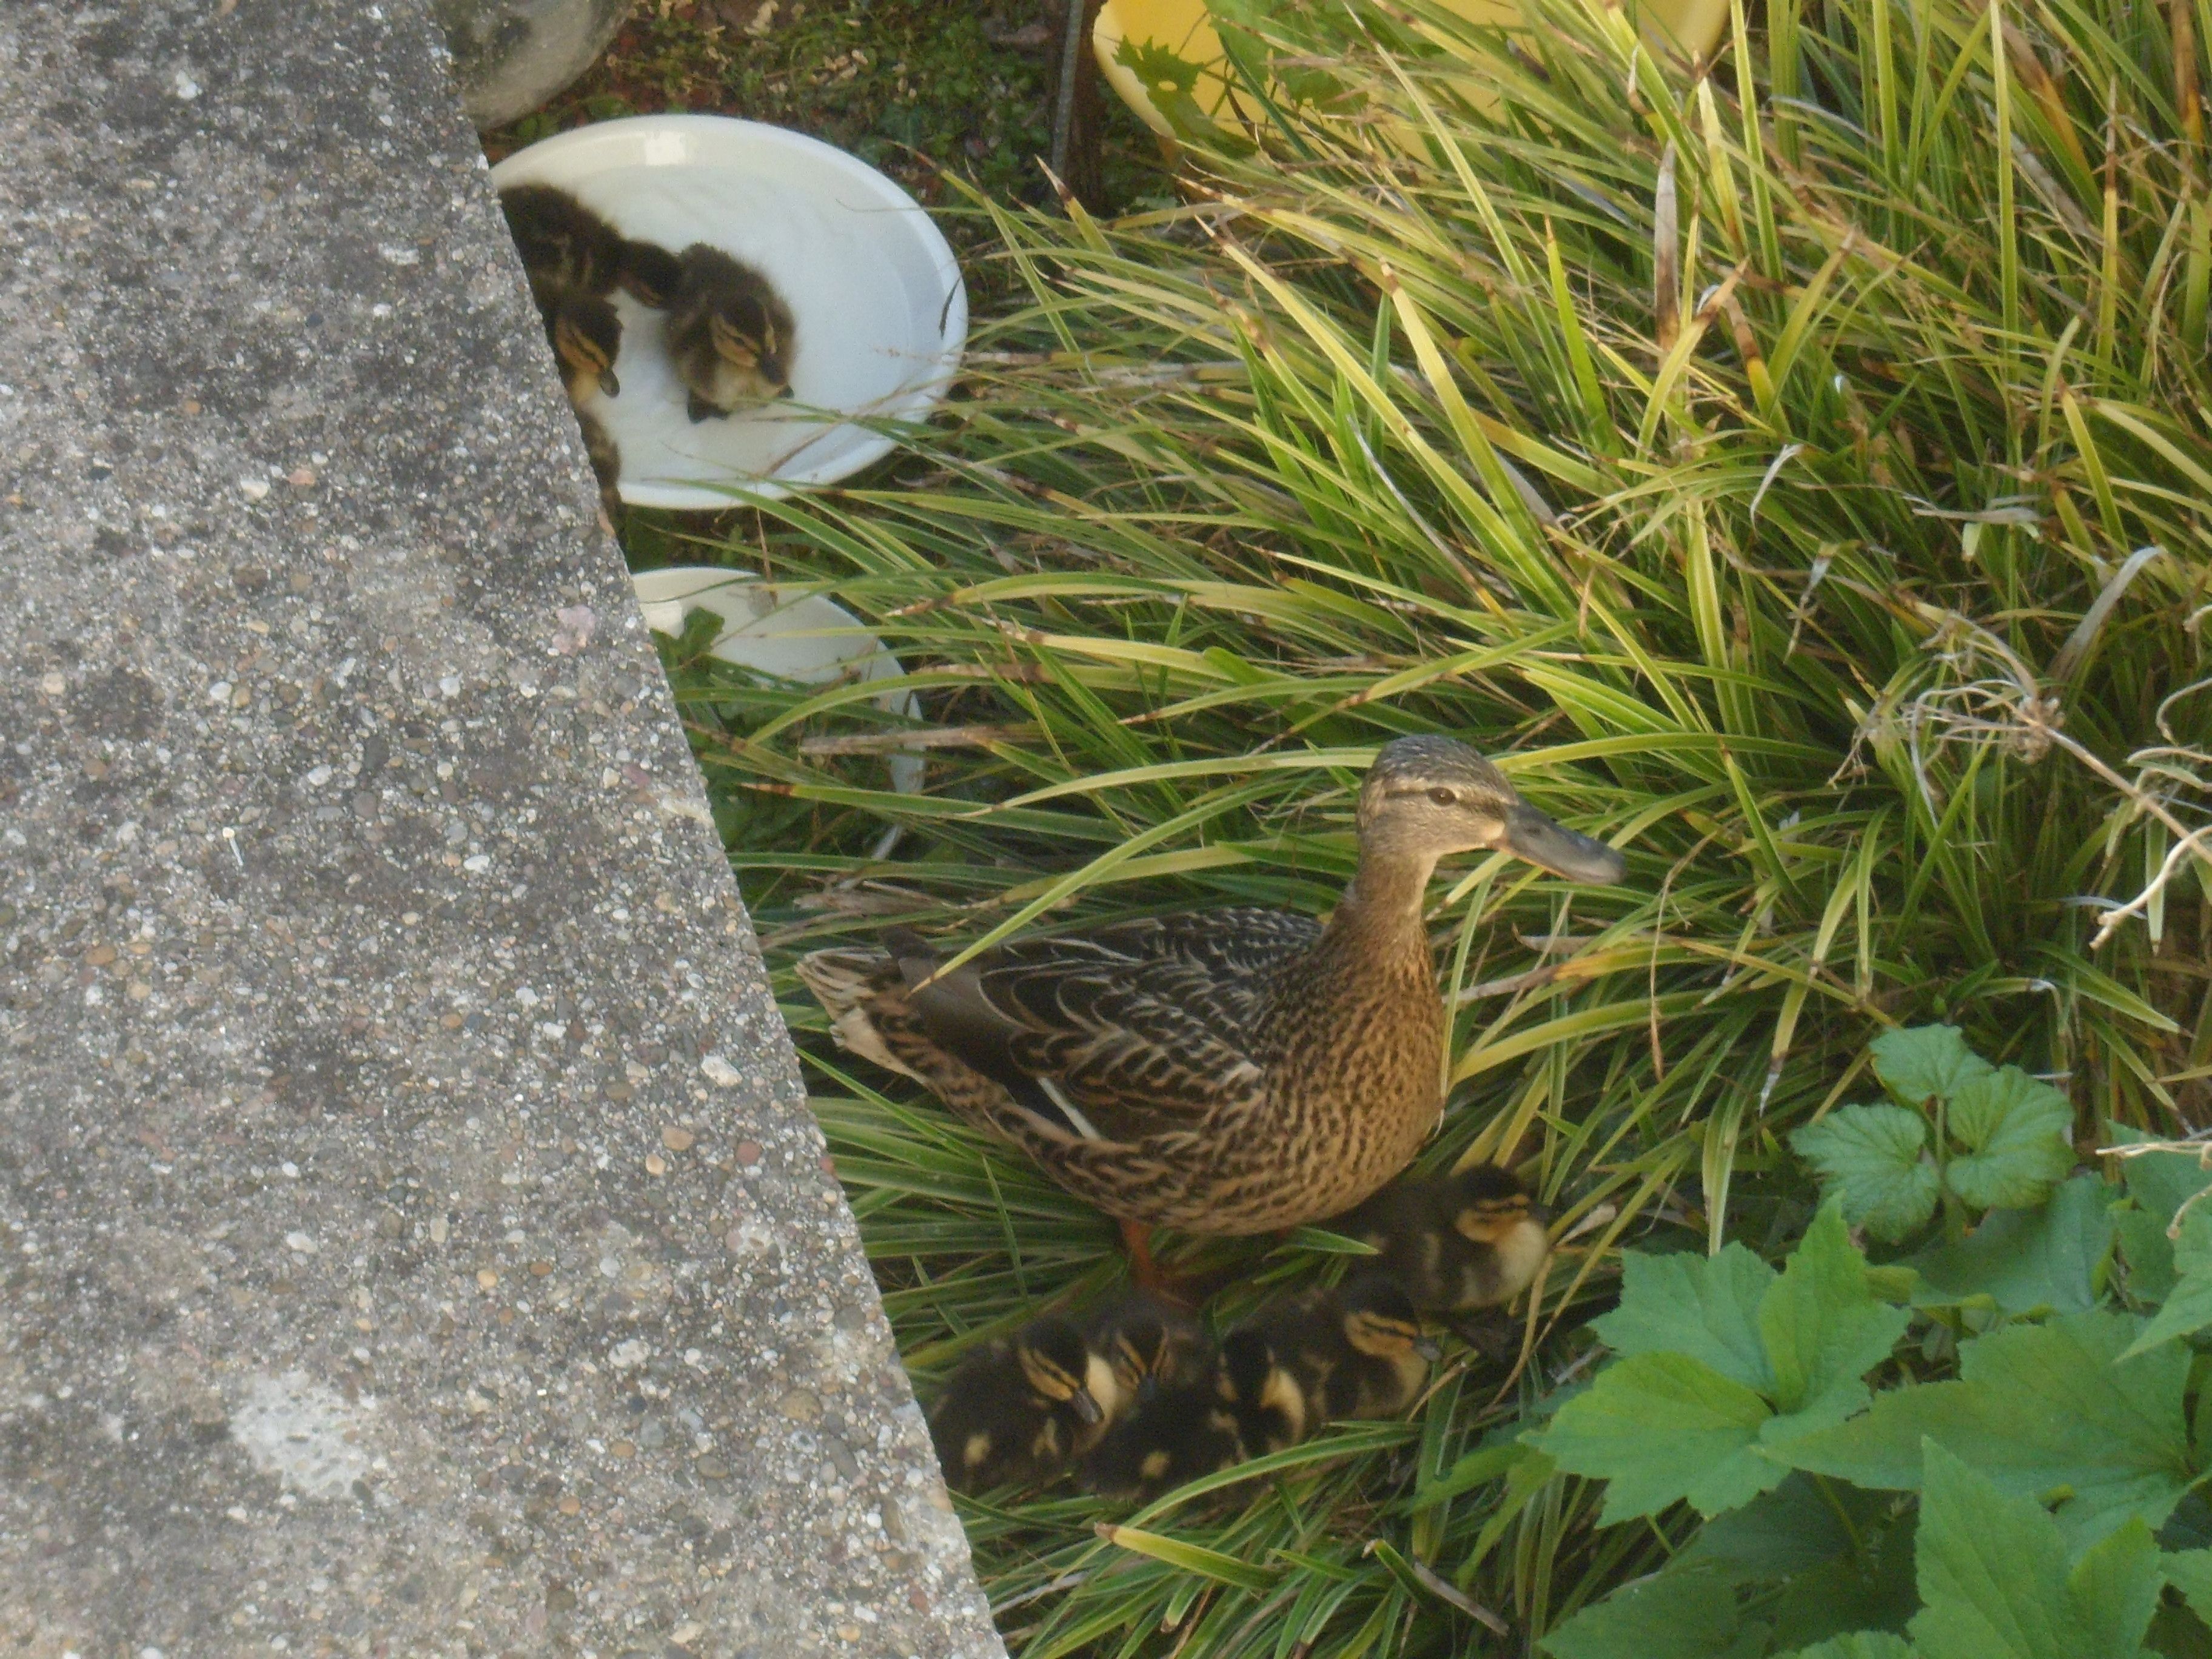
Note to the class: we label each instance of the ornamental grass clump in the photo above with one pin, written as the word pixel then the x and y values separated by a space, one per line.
pixel 1791 473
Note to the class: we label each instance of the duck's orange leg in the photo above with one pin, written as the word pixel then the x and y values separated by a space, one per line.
pixel 1137 1239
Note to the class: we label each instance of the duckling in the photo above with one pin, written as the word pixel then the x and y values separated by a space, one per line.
pixel 729 336
pixel 1272 1398
pixel 605 457
pixel 1138 1346
pixel 1384 1360
pixel 1455 1242
pixel 587 336
pixel 648 273
pixel 566 247
pixel 1228 1071
pixel 1185 1430
pixel 1019 1410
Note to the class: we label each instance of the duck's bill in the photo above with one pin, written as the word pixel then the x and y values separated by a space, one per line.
pixel 1429 1349
pixel 1086 1407
pixel 1550 846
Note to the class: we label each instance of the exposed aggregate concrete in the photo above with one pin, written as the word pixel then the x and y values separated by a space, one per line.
pixel 413 1239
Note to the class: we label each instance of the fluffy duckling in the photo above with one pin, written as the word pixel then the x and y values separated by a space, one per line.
pixel 587 336
pixel 566 247
pixel 1383 1362
pixel 1140 1344
pixel 1455 1242
pixel 1019 1410
pixel 1185 1430
pixel 729 336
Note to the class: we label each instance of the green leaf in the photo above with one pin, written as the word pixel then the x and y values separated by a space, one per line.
pixel 2038 1409
pixel 2048 1260
pixel 1191 1557
pixel 1875 1157
pixel 2148 1253
pixel 1860 1644
pixel 2190 1571
pixel 1676 1616
pixel 2187 1310
pixel 1778 1535
pixel 2116 1587
pixel 1706 1307
pixel 1661 1428
pixel 2018 1130
pixel 1992 1571
pixel 1823 1329
pixel 2160 1181
pixel 1925 1062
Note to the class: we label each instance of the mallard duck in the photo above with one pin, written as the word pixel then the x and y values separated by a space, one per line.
pixel 1144 1344
pixel 730 335
pixel 1019 1410
pixel 1381 1359
pixel 648 273
pixel 1306 1360
pixel 1228 1071
pixel 1456 1241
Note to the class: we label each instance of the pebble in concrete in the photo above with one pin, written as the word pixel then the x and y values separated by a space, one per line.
pixel 412 1236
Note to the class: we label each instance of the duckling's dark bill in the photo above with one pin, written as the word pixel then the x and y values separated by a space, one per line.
pixel 1529 834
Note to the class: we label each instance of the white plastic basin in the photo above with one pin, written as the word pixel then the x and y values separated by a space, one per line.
pixel 875 294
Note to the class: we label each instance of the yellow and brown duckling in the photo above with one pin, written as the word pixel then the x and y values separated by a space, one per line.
pixel 1231 1071
pixel 1143 1343
pixel 586 337
pixel 1183 1428
pixel 568 250
pixel 1019 1411
pixel 1454 1243
pixel 1307 1359
pixel 730 337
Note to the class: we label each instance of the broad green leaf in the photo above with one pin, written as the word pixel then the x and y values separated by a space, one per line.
pixel 2018 1130
pixel 1875 1157
pixel 2160 1181
pixel 2187 1309
pixel 1661 1428
pixel 1676 1616
pixel 1860 1644
pixel 2049 1260
pixel 2148 1253
pixel 1823 1329
pixel 2116 1587
pixel 2190 1571
pixel 1992 1571
pixel 2038 1409
pixel 1778 1535
pixel 1706 1307
pixel 1924 1061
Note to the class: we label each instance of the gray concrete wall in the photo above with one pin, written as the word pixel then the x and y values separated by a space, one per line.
pixel 412 1236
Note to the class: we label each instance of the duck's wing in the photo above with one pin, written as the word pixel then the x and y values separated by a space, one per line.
pixel 1120 1034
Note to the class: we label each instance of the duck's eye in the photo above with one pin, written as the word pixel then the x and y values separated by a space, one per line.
pixel 1444 797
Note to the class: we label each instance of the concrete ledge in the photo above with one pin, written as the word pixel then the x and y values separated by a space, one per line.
pixel 412 1236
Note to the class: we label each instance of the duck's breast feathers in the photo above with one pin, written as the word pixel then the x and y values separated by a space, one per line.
pixel 1121 1034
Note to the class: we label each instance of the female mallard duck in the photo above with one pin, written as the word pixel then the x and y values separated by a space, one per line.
pixel 1229 1071
pixel 1455 1242
pixel 730 335
pixel 1017 1411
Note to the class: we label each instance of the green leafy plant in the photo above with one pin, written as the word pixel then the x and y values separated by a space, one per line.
pixel 1998 1138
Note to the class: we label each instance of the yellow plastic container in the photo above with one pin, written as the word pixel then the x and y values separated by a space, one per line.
pixel 1677 27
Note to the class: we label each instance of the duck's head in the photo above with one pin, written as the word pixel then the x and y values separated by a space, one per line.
pixel 1379 1321
pixel 752 338
pixel 1054 1359
pixel 587 334
pixel 1493 1205
pixel 1428 796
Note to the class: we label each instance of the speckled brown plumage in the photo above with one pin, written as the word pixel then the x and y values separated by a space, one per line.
pixel 1229 1070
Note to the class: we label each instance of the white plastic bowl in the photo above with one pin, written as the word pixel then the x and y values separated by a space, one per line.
pixel 781 630
pixel 875 294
